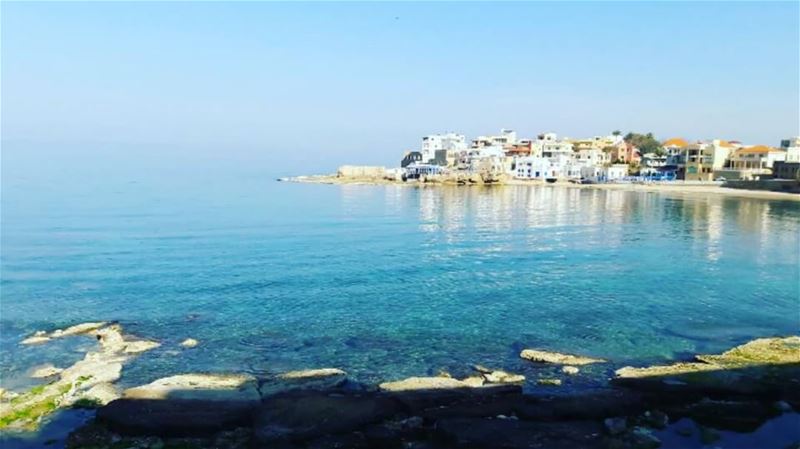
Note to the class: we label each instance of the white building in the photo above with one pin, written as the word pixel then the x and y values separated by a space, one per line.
pixel 506 137
pixel 592 156
pixel 559 153
pixel 792 147
pixel 533 167
pixel 450 142
pixel 614 172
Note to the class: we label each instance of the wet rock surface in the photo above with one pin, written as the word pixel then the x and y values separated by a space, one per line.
pixel 321 408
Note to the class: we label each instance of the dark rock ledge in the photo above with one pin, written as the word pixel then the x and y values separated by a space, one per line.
pixel 737 390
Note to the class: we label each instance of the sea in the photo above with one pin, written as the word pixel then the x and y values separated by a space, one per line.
pixel 382 281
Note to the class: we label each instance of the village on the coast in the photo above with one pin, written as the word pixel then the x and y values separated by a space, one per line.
pixel 615 158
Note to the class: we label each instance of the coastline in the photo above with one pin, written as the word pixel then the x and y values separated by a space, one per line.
pixel 673 189
pixel 733 393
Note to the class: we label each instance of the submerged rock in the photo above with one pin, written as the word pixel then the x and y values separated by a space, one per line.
pixel 571 370
pixel 189 343
pixel 35 340
pixel 615 426
pixel 642 438
pixel 549 382
pixel 310 379
pixel 540 356
pixel 78 329
pixel 209 387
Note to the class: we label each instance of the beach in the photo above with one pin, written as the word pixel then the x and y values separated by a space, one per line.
pixel 673 188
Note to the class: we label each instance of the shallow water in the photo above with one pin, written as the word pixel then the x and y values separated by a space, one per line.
pixel 386 281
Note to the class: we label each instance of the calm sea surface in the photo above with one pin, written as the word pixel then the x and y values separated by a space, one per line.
pixel 386 281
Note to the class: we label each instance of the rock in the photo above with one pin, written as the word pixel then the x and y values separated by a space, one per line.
pixel 708 435
pixel 423 383
pixel 303 416
pixel 571 370
pixel 615 426
pixel 481 369
pixel 314 374
pixel 509 433
pixel 207 387
pixel 135 347
pixel 739 416
pixel 549 382
pixel 8 395
pixel 769 351
pixel 75 382
pixel 783 407
pixel 78 329
pixel 536 355
pixel 35 340
pixel 100 394
pixel 474 381
pixel 44 371
pixel 766 366
pixel 189 343
pixel 502 377
pixel 642 438
pixel 655 419
pixel 175 418
pixel 310 379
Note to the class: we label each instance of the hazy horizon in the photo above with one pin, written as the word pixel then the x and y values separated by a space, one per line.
pixel 326 84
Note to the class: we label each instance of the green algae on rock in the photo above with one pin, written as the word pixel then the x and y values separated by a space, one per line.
pixel 87 381
pixel 764 364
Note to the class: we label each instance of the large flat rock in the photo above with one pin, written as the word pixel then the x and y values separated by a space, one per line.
pixel 207 387
pixel 310 379
pixel 175 417
pixel 540 356
pixel 308 415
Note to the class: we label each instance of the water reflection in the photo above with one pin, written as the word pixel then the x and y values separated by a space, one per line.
pixel 610 218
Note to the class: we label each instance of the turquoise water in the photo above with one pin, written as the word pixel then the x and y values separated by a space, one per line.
pixel 385 281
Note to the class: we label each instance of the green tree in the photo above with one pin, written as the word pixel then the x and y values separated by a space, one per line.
pixel 646 143
pixel 616 132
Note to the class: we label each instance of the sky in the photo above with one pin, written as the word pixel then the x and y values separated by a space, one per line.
pixel 315 85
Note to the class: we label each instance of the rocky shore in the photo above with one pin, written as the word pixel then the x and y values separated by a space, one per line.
pixel 737 390
pixel 676 188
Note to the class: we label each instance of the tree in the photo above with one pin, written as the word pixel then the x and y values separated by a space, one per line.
pixel 646 143
pixel 616 132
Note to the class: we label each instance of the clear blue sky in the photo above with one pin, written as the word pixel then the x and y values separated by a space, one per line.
pixel 331 83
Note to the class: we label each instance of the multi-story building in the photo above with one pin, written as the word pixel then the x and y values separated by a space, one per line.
pixel 674 149
pixel 533 167
pixel 753 162
pixel 592 156
pixel 451 143
pixel 506 137
pixel 792 147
